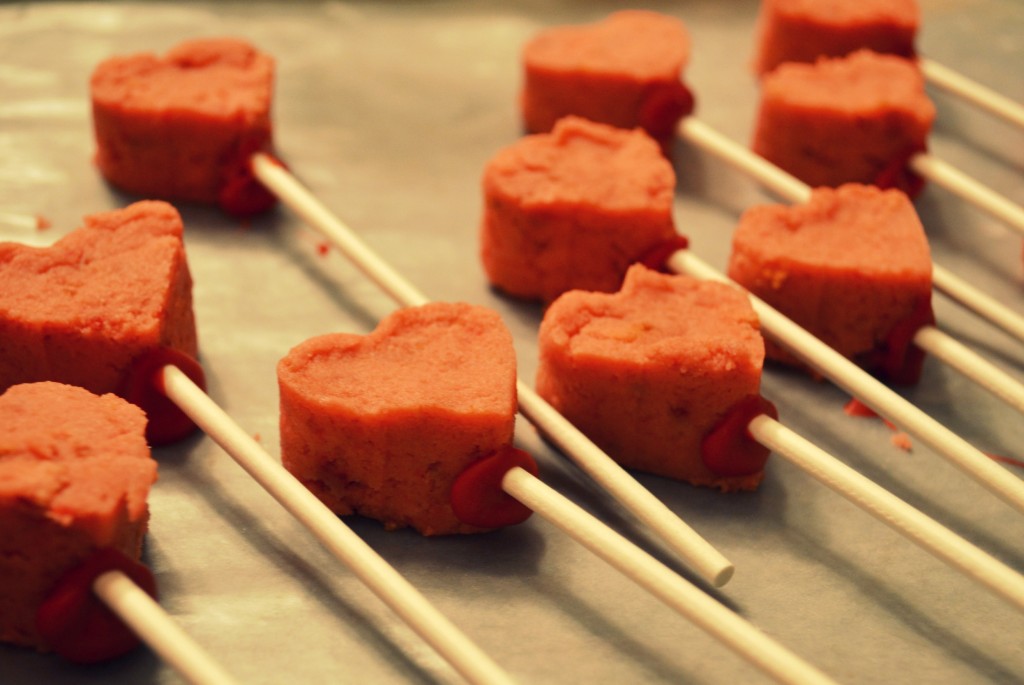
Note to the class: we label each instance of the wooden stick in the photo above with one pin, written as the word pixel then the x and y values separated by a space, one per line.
pixel 389 585
pixel 869 390
pixel 152 624
pixel 967 295
pixel 706 560
pixel 971 364
pixel 966 188
pixel 891 510
pixel 736 633
pixel 702 557
pixel 973 92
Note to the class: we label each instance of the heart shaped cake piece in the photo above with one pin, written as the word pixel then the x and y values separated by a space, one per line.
pixel 800 31
pixel 183 126
pixel 572 209
pixel 648 372
pixel 852 266
pixel 852 119
pixel 83 309
pixel 382 425
pixel 75 473
pixel 623 71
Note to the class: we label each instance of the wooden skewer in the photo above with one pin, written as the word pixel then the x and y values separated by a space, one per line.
pixel 971 364
pixel 389 585
pixel 869 390
pixel 891 510
pixel 760 650
pixel 152 624
pixel 970 297
pixel 973 92
pixel 966 188
pixel 22 222
pixel 703 557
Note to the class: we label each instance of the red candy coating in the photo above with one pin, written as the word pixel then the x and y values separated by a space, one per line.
pixel 76 624
pixel 901 359
pixel 728 449
pixel 242 195
pixel 477 496
pixel 663 106
pixel 166 422
pixel 656 257
pixel 900 176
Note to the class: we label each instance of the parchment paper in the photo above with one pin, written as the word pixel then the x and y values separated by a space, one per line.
pixel 388 111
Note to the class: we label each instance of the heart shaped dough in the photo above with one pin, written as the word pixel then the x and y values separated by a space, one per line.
pixel 573 209
pixel 381 425
pixel 80 311
pixel 851 265
pixel 648 371
pixel 183 126
pixel 75 472
pixel 623 71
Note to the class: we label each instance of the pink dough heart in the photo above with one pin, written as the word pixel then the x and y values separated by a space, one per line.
pixel 382 424
pixel 83 310
pixel 183 126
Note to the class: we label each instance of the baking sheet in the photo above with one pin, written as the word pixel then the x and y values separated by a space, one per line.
pixel 388 111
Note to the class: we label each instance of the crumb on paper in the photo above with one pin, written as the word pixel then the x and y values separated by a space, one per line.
pixel 42 223
pixel 322 249
pixel 902 441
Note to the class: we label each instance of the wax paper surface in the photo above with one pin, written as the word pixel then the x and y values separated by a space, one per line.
pixel 388 112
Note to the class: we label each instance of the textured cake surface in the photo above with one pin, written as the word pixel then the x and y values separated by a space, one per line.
pixel 81 310
pixel 75 472
pixel 573 209
pixel 647 371
pixel 181 125
pixel 843 120
pixel 380 425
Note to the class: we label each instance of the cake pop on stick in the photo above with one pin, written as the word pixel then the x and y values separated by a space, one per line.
pixel 852 266
pixel 702 556
pixel 161 377
pixel 972 91
pixel 412 425
pixel 665 374
pixel 75 474
pixel 869 390
pixel 794 31
pixel 131 316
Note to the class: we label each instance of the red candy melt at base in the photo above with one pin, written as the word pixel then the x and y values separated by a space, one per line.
pixel 902 359
pixel 141 386
pixel 898 174
pixel 477 497
pixel 657 257
pixel 664 105
pixel 76 624
pixel 242 195
pixel 728 449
